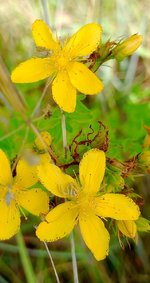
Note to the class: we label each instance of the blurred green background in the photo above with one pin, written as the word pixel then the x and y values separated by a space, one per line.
pixel 124 106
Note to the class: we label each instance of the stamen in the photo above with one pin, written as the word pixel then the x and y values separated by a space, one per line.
pixel 20 208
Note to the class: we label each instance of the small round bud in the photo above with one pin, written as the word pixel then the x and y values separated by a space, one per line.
pixel 46 138
pixel 127 47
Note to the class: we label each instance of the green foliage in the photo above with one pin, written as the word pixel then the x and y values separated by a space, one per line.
pixel 113 180
pixel 126 124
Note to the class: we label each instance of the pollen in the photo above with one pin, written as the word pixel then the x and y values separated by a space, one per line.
pixel 61 60
pixel 86 203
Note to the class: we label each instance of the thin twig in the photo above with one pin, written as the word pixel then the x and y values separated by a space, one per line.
pixel 41 98
pixel 52 262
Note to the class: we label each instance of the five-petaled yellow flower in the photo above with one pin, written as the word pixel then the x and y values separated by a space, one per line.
pixel 15 195
pixel 84 204
pixel 64 63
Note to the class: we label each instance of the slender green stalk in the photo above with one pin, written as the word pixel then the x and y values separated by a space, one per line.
pixel 21 148
pixel 64 133
pixel 25 259
pixel 73 253
pixel 37 106
pixel 74 260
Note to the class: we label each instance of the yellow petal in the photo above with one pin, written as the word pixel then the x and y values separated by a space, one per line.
pixel 43 36
pixel 44 158
pixel 5 170
pixel 54 180
pixel 127 228
pixel 63 92
pixel 33 70
pixel 26 175
pixel 60 222
pixel 116 206
pixel 9 220
pixel 95 235
pixel 34 200
pixel 91 170
pixel 3 192
pixel 83 79
pixel 85 41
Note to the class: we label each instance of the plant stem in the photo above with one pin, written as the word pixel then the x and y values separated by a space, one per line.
pixel 21 149
pixel 52 262
pixel 64 133
pixel 45 9
pixel 74 260
pixel 25 259
pixel 41 97
pixel 73 253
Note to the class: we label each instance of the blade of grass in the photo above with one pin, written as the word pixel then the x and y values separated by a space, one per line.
pixel 61 255
pixel 25 259
pixel 52 262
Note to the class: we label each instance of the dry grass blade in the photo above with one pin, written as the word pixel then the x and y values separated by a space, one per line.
pixel 9 90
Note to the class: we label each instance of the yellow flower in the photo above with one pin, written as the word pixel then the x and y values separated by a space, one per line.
pixel 128 46
pixel 64 63
pixel 14 195
pixel 127 228
pixel 84 205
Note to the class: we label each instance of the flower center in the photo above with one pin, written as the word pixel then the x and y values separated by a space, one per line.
pixel 61 60
pixel 86 203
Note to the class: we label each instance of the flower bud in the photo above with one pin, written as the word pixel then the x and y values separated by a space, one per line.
pixel 144 159
pixel 146 141
pixel 47 140
pixel 127 228
pixel 147 138
pixel 127 47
